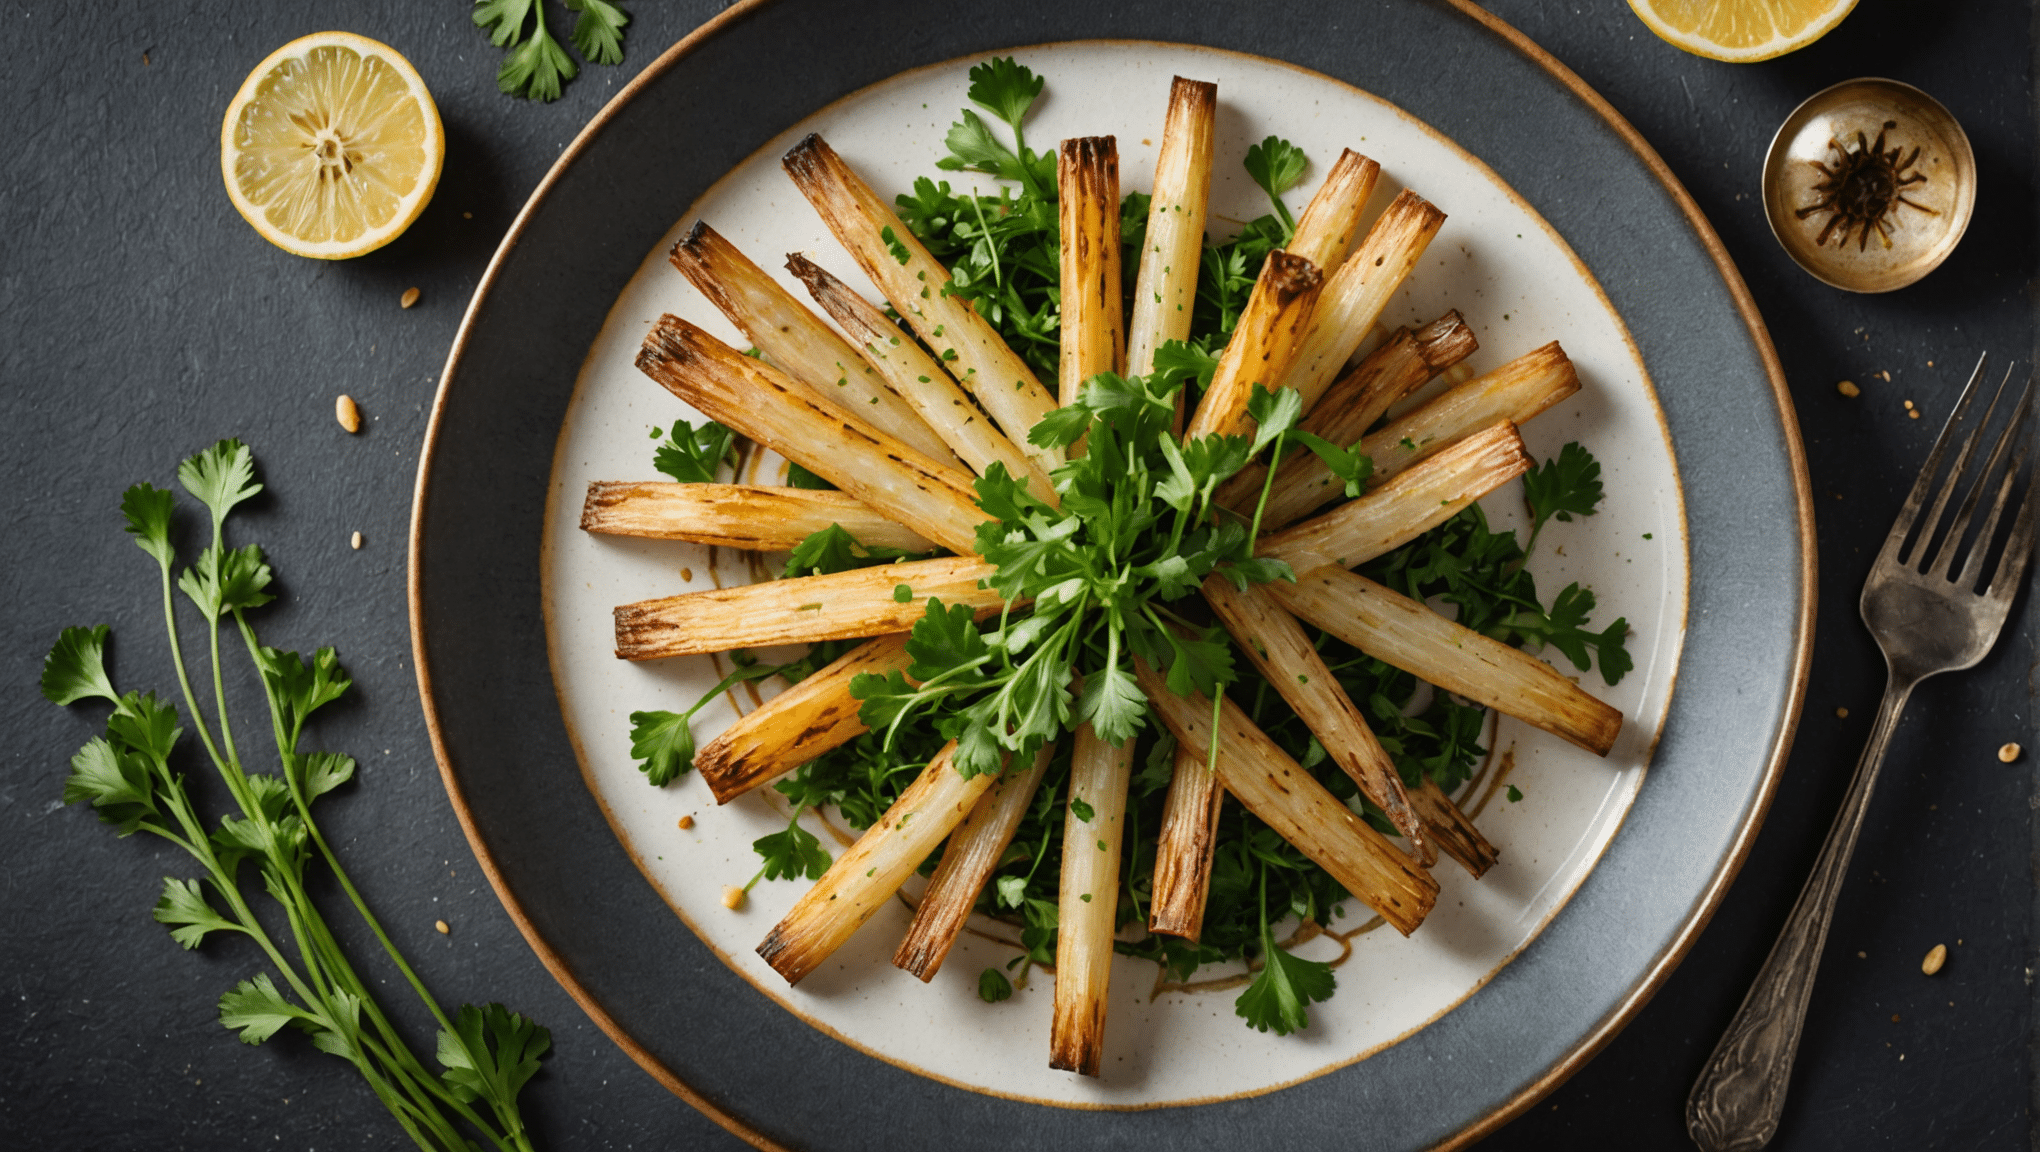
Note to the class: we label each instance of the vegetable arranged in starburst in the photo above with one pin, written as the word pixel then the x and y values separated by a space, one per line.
pixel 1070 622
pixel 130 776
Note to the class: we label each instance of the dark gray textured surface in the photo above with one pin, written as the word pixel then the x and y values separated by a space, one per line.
pixel 144 320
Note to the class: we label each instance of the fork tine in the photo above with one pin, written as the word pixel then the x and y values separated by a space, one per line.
pixel 1972 563
pixel 1918 557
pixel 1910 509
pixel 2011 569
pixel 2013 433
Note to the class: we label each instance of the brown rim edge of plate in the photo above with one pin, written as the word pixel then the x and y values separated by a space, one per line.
pixel 1596 1039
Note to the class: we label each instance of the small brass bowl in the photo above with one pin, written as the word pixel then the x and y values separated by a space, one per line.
pixel 1869 184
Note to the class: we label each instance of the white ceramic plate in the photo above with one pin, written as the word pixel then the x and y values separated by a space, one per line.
pixel 1516 282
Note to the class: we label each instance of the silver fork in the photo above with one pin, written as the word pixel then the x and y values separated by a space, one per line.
pixel 1927 621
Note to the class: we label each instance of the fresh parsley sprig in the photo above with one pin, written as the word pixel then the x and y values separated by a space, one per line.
pixel 1277 165
pixel 1136 531
pixel 126 774
pixel 536 67
pixel 1565 486
pixel 1007 90
pixel 693 455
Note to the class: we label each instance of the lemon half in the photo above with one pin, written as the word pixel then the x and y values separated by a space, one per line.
pixel 332 146
pixel 1741 31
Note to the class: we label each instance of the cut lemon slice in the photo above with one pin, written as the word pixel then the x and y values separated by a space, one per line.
pixel 1741 31
pixel 332 146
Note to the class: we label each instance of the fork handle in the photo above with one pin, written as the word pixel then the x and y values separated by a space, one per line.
pixel 1737 1102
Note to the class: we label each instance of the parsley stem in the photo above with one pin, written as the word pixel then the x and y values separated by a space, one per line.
pixel 1267 486
pixel 177 661
pixel 1211 752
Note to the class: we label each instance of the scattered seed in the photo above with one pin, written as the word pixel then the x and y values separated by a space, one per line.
pixel 732 897
pixel 1894 1017
pixel 1914 413
pixel 1848 388
pixel 2008 753
pixel 1862 955
pixel 470 216
pixel 409 298
pixel 687 574
pixel 1908 405
pixel 344 410
pixel 1936 957
pixel 686 822
pixel 355 541
pixel 443 929
pixel 1885 376
pixel 1843 713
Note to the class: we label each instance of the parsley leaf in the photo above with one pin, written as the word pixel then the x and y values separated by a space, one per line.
pixel 1177 360
pixel 691 455
pixel 490 1053
pixel 1276 165
pixel 1348 464
pixel 663 745
pixel 792 853
pixel 222 477
pixel 598 32
pixel 1565 486
pixel 1282 989
pixel 834 549
pixel 1005 89
pixel 993 986
pixel 1286 984
pixel 147 509
pixel 257 1010
pixel 185 909
pixel 537 66
pixel 799 477
pixel 75 668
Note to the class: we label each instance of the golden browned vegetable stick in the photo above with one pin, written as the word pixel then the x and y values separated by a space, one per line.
pixel 1329 222
pixel 1516 391
pixel 801 610
pixel 983 364
pixel 1182 877
pixel 1264 343
pixel 1276 645
pixel 929 497
pixel 1275 788
pixel 1166 291
pixel 1406 507
pixel 1092 328
pixel 1351 406
pixel 1354 296
pixel 867 874
pixel 747 516
pixel 1452 830
pixel 796 341
pixel 915 374
pixel 1088 902
pixel 1394 628
pixel 968 860
pixel 799 724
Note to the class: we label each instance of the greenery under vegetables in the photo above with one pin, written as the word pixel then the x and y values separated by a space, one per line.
pixel 1111 574
pixel 130 776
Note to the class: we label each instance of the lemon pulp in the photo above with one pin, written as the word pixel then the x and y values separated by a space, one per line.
pixel 1741 30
